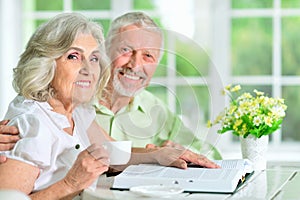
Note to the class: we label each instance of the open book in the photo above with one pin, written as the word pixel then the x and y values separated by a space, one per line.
pixel 194 179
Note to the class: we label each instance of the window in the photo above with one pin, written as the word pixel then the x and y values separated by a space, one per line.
pixel 208 44
pixel 264 56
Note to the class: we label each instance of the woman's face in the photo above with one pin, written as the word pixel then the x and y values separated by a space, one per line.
pixel 77 71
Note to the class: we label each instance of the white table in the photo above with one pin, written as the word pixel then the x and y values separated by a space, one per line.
pixel 281 181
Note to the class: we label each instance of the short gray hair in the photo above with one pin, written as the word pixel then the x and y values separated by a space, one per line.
pixel 137 18
pixel 36 67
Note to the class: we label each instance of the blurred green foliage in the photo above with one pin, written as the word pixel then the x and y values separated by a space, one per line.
pixel 291 125
pixel 187 96
pixel 158 90
pixel 42 5
pixel 251 4
pixel 191 59
pixel 251 46
pixel 91 5
pixel 290 3
pixel 290 46
pixel 143 4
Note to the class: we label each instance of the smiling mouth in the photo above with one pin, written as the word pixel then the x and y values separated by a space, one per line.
pixel 130 76
pixel 83 83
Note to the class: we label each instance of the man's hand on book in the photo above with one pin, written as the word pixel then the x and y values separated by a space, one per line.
pixel 198 159
pixel 173 154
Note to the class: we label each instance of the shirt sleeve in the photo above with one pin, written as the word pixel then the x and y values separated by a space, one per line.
pixel 34 147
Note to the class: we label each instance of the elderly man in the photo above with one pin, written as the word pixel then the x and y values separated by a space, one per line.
pixel 127 111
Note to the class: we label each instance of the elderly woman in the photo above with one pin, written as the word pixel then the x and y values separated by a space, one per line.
pixel 56 78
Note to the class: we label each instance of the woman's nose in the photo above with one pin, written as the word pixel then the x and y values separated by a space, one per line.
pixel 85 68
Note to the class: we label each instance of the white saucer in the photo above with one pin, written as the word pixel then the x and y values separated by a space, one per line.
pixel 156 190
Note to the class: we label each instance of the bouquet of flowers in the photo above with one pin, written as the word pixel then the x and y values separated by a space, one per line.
pixel 257 115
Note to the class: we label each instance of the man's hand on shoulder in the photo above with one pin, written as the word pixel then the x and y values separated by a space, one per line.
pixel 9 135
pixel 2 159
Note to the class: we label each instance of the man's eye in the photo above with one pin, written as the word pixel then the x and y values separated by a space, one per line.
pixel 72 57
pixel 125 50
pixel 149 55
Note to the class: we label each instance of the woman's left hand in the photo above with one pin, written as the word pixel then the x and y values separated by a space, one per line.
pixel 89 164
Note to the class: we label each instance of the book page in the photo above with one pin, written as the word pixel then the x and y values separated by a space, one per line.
pixel 243 164
pixel 148 170
pixel 191 179
pixel 230 164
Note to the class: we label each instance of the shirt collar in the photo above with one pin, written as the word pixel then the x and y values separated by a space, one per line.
pixel 60 120
pixel 134 104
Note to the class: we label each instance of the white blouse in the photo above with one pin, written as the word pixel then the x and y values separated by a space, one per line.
pixel 43 142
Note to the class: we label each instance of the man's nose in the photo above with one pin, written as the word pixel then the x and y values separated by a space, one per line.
pixel 136 60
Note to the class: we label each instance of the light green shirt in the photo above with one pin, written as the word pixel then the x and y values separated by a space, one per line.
pixel 148 120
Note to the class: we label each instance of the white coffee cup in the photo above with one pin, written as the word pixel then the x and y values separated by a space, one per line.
pixel 119 151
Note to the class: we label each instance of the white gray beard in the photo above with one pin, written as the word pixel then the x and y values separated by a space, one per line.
pixel 120 89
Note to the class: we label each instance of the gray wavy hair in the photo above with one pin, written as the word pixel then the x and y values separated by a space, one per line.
pixel 137 18
pixel 36 67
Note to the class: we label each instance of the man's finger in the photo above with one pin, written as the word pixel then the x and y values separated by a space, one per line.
pixel 179 163
pixel 6 139
pixel 2 159
pixel 150 146
pixel 4 122
pixel 198 159
pixel 205 162
pixel 8 146
pixel 167 143
pixel 8 130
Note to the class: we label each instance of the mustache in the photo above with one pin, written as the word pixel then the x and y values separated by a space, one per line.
pixel 129 71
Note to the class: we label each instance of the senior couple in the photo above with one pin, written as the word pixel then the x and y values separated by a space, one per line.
pixel 62 73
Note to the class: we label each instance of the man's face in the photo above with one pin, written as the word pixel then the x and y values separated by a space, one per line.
pixel 135 55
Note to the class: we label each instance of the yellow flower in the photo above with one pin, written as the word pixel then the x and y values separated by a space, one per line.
pixel 235 88
pixel 223 92
pixel 249 114
pixel 219 118
pixel 257 120
pixel 258 93
pixel 231 110
pixel 238 114
pixel 227 87
pixel 245 128
pixel 268 120
pixel 238 122
pixel 246 96
pixel 209 124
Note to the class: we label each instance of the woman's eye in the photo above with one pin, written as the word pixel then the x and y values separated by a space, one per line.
pixel 72 57
pixel 95 59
